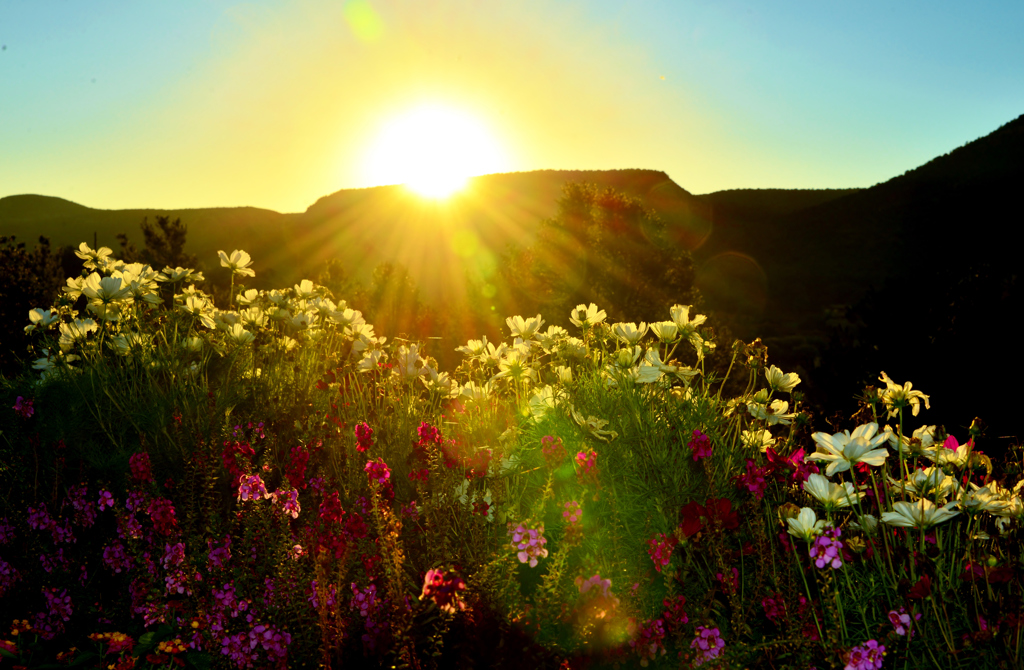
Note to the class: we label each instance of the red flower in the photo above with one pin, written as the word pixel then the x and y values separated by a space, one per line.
pixel 922 589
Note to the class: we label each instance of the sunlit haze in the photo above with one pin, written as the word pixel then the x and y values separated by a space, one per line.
pixel 433 149
pixel 199 103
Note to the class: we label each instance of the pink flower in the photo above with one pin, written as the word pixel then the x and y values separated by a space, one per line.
pixel 868 656
pixel 660 548
pixel 378 471
pixel 252 488
pixel 24 407
pixel 573 513
pixel 700 444
pixel 444 589
pixel 900 621
pixel 530 543
pixel 141 469
pixel 827 549
pixel 708 644
pixel 364 437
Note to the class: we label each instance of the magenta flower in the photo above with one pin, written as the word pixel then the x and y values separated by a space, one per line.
pixel 648 640
pixel 901 622
pixel 868 656
pixel 142 470
pixel 700 444
pixel 660 548
pixel 378 471
pixel 708 644
pixel 827 549
pixel 364 436
pixel 444 589
pixel 530 543
pixel 252 488
pixel 24 407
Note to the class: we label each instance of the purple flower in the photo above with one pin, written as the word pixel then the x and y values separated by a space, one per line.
pixel 868 656
pixel 530 543
pixel 708 644
pixel 900 621
pixel 827 549
pixel 24 407
pixel 221 555
pixel 252 488
pixel 115 558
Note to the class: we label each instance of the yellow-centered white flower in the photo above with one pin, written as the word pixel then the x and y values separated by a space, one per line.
pixel 844 449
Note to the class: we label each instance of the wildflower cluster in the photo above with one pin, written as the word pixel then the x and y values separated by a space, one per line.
pixel 529 542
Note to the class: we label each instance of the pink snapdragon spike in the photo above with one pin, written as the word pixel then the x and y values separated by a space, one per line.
pixel 288 501
pixel 868 656
pixel 378 471
pixel 700 445
pixel 553 450
pixel 23 407
pixel 660 548
pixel 445 589
pixel 827 549
pixel 140 466
pixel 648 640
pixel 572 513
pixel 708 644
pixel 530 543
pixel 252 488
pixel 586 461
pixel 364 436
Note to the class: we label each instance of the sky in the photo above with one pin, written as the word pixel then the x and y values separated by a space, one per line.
pixel 275 103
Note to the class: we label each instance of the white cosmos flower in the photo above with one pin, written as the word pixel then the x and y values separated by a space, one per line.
pixel 474 348
pixel 199 308
pixel 666 331
pixel 41 318
pixel 805 525
pixel 75 332
pixel 896 397
pixel 409 363
pixel 550 338
pixel 94 259
pixel 777 381
pixel 524 328
pixel 239 335
pixel 759 439
pixel 130 343
pixel 681 317
pixel 179 274
pixel 305 290
pixel 842 450
pixel 629 333
pixel 514 364
pixel 922 440
pixel 439 382
pixel 930 482
pixel 573 347
pixel 474 391
pixel 922 513
pixel 951 452
pixel 74 287
pixel 238 262
pixel 586 317
pixel 542 402
pixel 985 499
pixel 832 496
pixel 371 360
pixel 776 413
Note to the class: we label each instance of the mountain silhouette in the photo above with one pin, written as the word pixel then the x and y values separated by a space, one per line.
pixel 906 276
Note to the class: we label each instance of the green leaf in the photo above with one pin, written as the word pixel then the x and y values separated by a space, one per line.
pixel 199 660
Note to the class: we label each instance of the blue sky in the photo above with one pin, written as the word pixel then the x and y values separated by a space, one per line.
pixel 273 104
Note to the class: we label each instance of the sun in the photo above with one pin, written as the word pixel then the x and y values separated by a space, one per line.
pixel 433 149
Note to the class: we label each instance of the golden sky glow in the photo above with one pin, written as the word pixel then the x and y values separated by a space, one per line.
pixel 274 104
pixel 432 149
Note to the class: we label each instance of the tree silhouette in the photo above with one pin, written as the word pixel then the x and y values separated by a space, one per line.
pixel 606 247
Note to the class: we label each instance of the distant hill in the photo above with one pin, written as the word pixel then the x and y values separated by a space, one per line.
pixel 913 276
pixel 839 283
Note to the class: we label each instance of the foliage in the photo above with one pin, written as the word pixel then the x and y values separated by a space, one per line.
pixel 27 279
pixel 278 485
pixel 606 247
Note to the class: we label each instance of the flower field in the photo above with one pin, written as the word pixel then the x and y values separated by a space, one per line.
pixel 272 484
